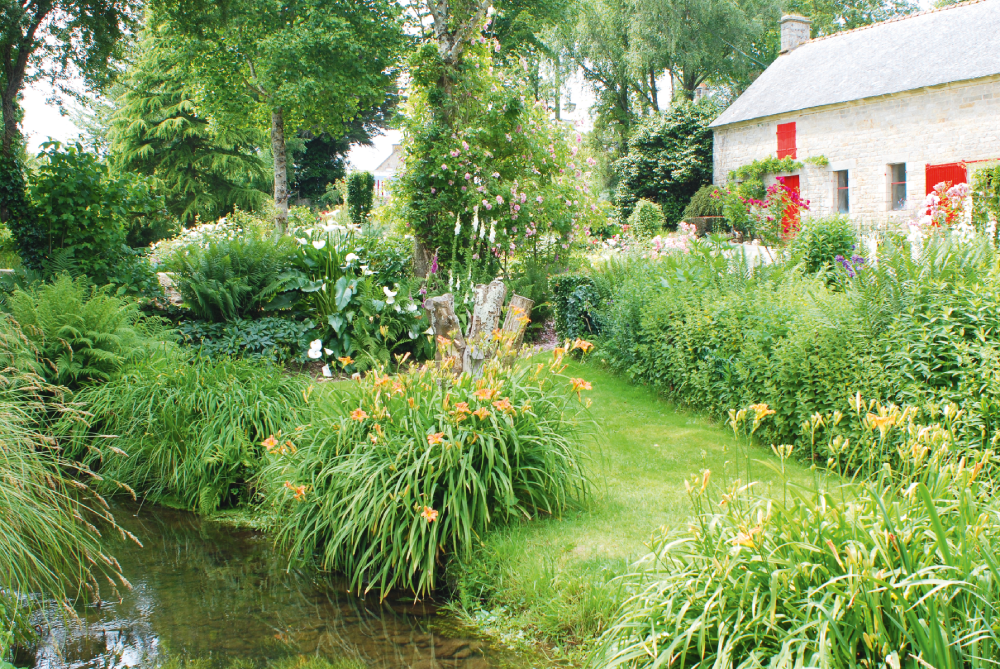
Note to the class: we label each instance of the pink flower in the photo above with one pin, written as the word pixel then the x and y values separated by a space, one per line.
pixel 467 176
pixel 444 166
pixel 464 188
pixel 496 175
pixel 524 197
pixel 499 199
pixel 433 190
pixel 539 198
pixel 517 207
pixel 455 153
pixel 450 182
pixel 465 145
pixel 489 206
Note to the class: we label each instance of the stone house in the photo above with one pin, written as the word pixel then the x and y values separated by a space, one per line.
pixel 885 112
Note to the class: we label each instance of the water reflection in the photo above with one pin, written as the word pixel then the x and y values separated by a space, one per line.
pixel 211 593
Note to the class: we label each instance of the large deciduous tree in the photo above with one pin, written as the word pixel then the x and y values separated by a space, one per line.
pixel 308 65
pixel 49 38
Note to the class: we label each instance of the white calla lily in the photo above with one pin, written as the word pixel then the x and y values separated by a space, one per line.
pixel 351 257
pixel 319 243
pixel 326 371
pixel 390 295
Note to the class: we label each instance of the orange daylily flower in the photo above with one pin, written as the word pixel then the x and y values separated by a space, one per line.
pixel 485 393
pixel 481 413
pixel 463 407
pixel 435 438
pixel 580 384
pixel 358 414
pixel 270 443
pixel 346 360
pixel 583 345
pixel 429 514
pixel 504 405
pixel 298 490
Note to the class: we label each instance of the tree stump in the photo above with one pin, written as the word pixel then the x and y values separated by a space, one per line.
pixel 518 317
pixel 447 326
pixel 485 319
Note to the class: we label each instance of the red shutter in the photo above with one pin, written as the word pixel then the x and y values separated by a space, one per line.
pixel 786 140
pixel 953 172
pixel 790 221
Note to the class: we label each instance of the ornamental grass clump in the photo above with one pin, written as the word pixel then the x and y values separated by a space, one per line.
pixel 418 466
pixel 186 429
pixel 896 570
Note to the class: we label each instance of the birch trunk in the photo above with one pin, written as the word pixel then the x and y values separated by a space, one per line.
pixel 485 319
pixel 518 317
pixel 280 169
pixel 446 324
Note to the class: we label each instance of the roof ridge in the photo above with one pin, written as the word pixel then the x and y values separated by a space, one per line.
pixel 894 20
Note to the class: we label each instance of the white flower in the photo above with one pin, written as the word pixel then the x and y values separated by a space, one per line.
pixel 328 351
pixel 396 307
pixel 351 257
pixel 429 331
pixel 315 349
pixel 390 295
pixel 301 240
pixel 411 307
pixel 326 371
pixel 319 243
pixel 493 232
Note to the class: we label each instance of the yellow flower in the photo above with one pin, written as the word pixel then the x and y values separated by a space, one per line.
pixel 584 346
pixel 345 361
pixel 761 411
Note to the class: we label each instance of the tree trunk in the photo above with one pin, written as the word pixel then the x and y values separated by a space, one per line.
pixel 652 90
pixel 446 325
pixel 485 319
pixel 518 317
pixel 558 87
pixel 280 169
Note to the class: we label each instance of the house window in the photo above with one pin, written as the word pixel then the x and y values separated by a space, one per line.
pixel 897 186
pixel 843 197
pixel 786 140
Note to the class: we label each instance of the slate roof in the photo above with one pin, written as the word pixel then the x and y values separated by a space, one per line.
pixel 939 46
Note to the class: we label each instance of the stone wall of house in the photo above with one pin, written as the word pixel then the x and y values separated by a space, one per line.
pixel 943 124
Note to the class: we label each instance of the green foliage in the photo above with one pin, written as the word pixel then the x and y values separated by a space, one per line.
pixel 275 339
pixel 231 278
pixel 751 177
pixel 706 202
pixel 50 548
pixel 406 474
pixel 81 333
pixel 709 332
pixel 83 215
pixel 985 195
pixel 135 276
pixel 820 240
pixel 360 190
pixel 576 298
pixel 478 149
pixel 669 159
pixel 14 203
pixel 187 430
pixel 205 168
pixel 847 575
pixel 646 220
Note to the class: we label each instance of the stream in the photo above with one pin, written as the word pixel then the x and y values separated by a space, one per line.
pixel 209 595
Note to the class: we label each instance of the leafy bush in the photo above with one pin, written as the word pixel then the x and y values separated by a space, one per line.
pixel 187 430
pixel 821 240
pixel 229 279
pixel 416 467
pixel 669 159
pixel 985 196
pixel 646 220
pixel 576 298
pixel 706 202
pixel 81 333
pixel 898 570
pixel 274 339
pixel 134 275
pixel 50 549
pixel 360 189
pixel 82 214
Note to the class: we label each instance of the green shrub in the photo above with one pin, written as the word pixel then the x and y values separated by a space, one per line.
pixel 231 278
pixel 360 191
pixel 706 202
pixel 820 240
pixel 135 276
pixel 83 214
pixel 187 430
pixel 646 220
pixel 576 298
pixel 415 468
pixel 81 333
pixel 669 158
pixel 897 570
pixel 275 339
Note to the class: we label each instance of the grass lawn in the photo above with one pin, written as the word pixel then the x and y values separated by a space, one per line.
pixel 551 579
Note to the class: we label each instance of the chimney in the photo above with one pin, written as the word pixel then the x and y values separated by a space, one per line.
pixel 794 31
